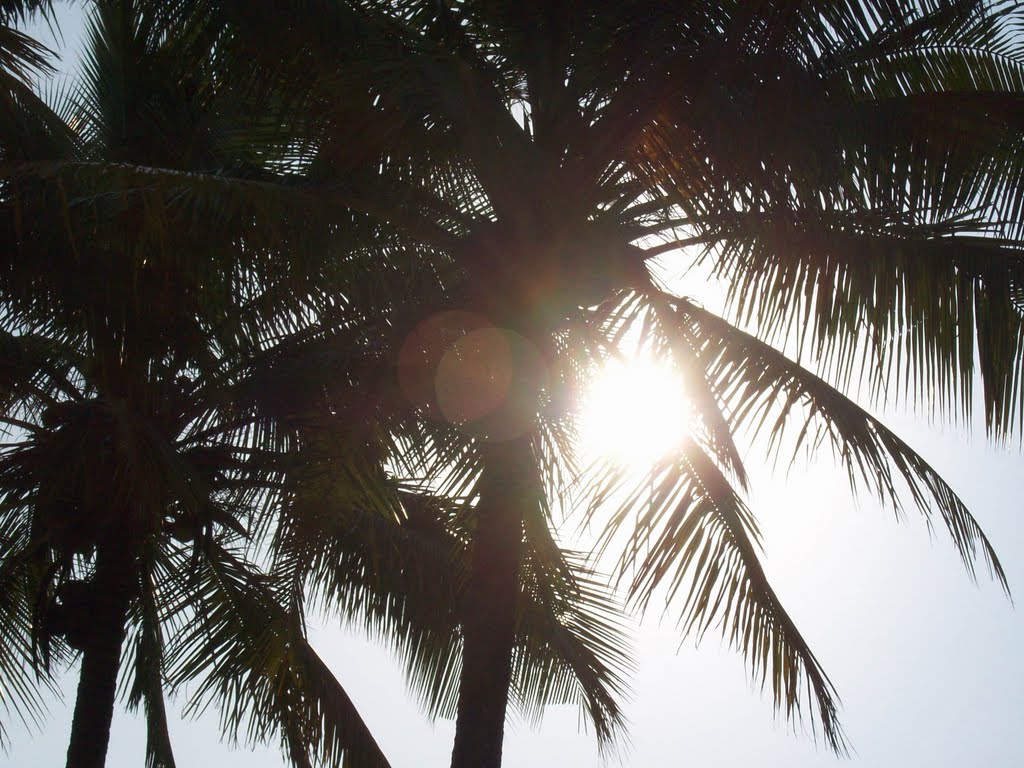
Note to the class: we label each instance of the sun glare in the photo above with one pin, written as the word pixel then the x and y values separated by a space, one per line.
pixel 634 412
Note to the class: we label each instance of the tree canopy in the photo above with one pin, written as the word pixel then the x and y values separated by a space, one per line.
pixel 299 301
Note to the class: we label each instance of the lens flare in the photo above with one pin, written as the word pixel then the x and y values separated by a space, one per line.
pixel 483 379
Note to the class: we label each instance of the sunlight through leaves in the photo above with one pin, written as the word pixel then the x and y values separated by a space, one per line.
pixel 635 411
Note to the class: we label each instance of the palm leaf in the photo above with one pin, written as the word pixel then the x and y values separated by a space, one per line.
pixel 252 657
pixel 751 377
pixel 695 542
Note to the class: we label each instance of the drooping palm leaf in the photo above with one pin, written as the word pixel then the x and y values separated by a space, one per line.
pixel 757 382
pixel 255 660
pixel 690 538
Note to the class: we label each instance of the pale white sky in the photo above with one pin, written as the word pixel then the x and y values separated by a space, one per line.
pixel 929 666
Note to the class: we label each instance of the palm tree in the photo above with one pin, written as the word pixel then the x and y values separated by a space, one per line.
pixel 159 384
pixel 127 481
pixel 851 170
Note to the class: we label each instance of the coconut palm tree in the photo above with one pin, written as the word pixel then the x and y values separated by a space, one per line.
pixel 127 482
pixel 851 170
pixel 158 383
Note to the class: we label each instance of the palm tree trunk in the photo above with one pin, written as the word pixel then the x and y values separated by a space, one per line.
pixel 97 682
pixel 508 490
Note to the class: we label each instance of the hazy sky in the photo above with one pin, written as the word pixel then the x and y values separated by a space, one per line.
pixel 929 666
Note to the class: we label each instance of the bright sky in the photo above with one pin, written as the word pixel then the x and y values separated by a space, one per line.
pixel 928 665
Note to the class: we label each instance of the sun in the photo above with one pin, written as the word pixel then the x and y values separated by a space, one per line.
pixel 634 412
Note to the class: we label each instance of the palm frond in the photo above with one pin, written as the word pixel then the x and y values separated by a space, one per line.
pixel 755 380
pixel 571 642
pixel 913 299
pixel 147 686
pixel 25 686
pixel 252 657
pixel 695 542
